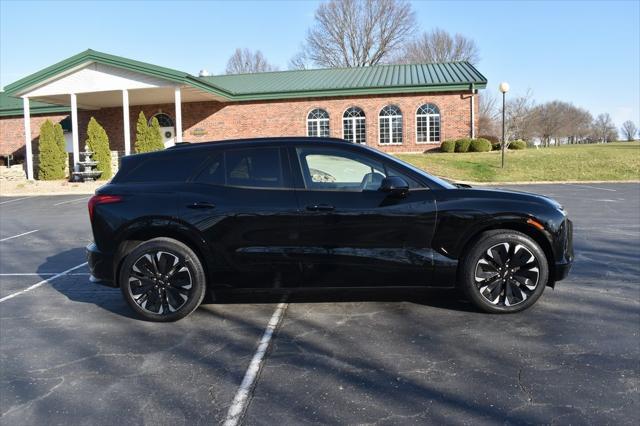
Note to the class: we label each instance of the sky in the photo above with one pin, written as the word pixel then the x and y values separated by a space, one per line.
pixel 584 52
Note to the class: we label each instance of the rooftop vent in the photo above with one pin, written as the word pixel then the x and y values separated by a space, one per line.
pixel 203 73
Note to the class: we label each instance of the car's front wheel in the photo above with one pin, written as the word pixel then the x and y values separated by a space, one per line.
pixel 162 280
pixel 504 271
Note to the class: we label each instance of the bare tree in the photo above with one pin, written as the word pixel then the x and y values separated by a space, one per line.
pixel 603 128
pixel 438 45
pixel 519 121
pixel 246 61
pixel 488 115
pixel 299 61
pixel 629 130
pixel 356 33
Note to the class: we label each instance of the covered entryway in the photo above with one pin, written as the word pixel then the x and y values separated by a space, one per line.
pixel 94 80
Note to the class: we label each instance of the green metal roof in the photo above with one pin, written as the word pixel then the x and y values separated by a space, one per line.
pixel 366 80
pixel 377 79
pixel 13 106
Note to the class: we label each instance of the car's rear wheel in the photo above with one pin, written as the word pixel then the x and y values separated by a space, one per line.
pixel 504 271
pixel 162 280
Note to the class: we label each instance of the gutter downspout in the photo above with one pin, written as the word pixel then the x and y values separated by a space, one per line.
pixel 473 127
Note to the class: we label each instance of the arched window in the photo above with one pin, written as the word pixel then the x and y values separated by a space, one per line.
pixel 163 119
pixel 318 123
pixel 428 124
pixel 353 126
pixel 390 125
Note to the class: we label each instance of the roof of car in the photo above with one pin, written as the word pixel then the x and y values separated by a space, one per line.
pixel 252 141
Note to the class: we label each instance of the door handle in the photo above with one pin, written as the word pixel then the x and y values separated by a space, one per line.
pixel 320 208
pixel 201 205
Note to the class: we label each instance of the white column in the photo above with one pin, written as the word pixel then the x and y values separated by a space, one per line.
pixel 27 137
pixel 178 101
pixel 473 113
pixel 125 122
pixel 74 131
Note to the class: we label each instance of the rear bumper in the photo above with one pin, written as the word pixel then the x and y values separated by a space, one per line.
pixel 564 263
pixel 101 266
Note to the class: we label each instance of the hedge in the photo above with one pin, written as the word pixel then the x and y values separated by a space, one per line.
pixel 448 146
pixel 480 145
pixel 462 145
pixel 518 145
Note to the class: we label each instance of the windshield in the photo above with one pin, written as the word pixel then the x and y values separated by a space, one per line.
pixel 437 180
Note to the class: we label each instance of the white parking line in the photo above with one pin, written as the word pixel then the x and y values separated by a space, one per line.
pixel 592 187
pixel 38 284
pixel 15 199
pixel 19 235
pixel 239 405
pixel 72 201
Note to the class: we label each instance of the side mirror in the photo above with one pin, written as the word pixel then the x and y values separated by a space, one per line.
pixel 395 186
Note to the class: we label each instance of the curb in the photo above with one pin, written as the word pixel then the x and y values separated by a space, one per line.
pixel 544 182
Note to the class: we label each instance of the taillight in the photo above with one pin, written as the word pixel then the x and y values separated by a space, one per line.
pixel 102 199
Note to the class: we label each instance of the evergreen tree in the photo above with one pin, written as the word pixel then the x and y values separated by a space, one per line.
pixel 51 162
pixel 148 138
pixel 155 136
pixel 62 147
pixel 98 143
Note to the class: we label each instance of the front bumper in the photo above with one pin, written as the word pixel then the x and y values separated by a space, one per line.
pixel 101 266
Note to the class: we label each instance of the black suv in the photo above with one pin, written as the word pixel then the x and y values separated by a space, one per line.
pixel 176 225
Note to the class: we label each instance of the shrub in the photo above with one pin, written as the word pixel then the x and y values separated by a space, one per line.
pixel 52 155
pixel 480 145
pixel 462 145
pixel 98 143
pixel 518 145
pixel 448 146
pixel 496 146
pixel 491 138
pixel 148 138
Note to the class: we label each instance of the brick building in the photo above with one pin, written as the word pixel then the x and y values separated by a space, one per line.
pixel 394 108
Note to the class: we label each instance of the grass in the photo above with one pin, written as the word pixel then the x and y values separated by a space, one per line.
pixel 611 162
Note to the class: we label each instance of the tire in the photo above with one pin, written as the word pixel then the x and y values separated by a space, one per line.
pixel 162 280
pixel 504 271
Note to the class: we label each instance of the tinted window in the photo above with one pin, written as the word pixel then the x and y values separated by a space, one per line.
pixel 213 172
pixel 339 170
pixel 252 167
pixel 165 168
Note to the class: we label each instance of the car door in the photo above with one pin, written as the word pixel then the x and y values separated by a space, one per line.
pixel 243 202
pixel 352 234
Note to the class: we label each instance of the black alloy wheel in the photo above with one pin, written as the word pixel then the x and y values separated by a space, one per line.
pixel 504 271
pixel 162 280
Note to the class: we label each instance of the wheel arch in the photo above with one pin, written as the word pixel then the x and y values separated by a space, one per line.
pixel 135 236
pixel 529 230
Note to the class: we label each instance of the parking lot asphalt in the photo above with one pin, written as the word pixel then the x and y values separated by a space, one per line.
pixel 72 353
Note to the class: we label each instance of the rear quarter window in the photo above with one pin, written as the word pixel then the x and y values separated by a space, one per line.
pixel 166 168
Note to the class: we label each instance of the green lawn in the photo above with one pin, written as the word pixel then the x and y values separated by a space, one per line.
pixel 612 161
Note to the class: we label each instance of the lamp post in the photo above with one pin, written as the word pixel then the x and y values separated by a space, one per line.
pixel 504 88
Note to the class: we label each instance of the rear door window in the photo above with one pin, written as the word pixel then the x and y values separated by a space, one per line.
pixel 248 167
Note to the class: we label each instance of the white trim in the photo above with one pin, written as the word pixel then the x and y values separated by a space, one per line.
pixel 390 117
pixel 427 116
pixel 352 123
pixel 125 122
pixel 27 136
pixel 74 131
pixel 317 122
pixel 178 123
